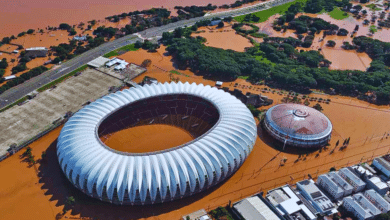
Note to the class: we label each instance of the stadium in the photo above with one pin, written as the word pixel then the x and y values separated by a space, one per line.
pixel 224 132
pixel 298 125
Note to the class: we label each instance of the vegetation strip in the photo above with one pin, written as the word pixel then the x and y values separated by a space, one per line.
pixel 118 51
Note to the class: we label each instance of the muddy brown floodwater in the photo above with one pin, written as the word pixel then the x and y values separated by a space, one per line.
pixel 40 191
pixel 18 16
pixel 147 138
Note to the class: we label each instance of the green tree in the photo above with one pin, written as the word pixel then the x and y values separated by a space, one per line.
pixel 318 107
pixel 30 31
pixel 221 24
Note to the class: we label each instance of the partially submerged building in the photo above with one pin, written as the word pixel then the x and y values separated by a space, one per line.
pixel 36 52
pixel 382 164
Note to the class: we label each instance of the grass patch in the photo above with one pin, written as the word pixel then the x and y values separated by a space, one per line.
pixel 264 15
pixel 264 60
pixel 121 50
pixel 178 73
pixel 373 29
pixel 62 78
pixel 14 103
pixel 243 77
pixel 373 7
pixel 336 13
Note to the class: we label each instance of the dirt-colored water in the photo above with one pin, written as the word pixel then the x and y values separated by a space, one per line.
pixel 40 191
pixel 147 138
pixel 225 38
pixel 18 16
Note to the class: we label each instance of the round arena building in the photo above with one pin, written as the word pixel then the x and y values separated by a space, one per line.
pixel 224 132
pixel 298 125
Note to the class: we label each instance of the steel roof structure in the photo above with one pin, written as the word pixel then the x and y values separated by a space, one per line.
pixel 155 177
pixel 298 125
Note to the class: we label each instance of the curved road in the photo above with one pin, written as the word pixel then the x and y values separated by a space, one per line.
pixel 22 90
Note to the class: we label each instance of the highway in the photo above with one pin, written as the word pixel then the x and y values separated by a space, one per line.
pixel 17 92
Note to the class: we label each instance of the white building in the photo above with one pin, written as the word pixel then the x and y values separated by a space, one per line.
pixel 360 207
pixel 121 64
pixel 377 200
pixel 326 182
pixel 376 184
pixel 291 204
pixel 319 200
pixel 382 164
pixel 253 208
pixel 357 184
pixel 335 185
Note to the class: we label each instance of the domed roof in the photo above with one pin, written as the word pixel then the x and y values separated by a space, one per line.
pixel 158 176
pixel 299 121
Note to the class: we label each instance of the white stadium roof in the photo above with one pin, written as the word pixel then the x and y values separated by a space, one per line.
pixel 143 178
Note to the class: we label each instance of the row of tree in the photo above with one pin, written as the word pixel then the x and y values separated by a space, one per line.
pixel 23 77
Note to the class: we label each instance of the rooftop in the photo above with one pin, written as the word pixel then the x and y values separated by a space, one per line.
pixel 316 195
pixel 36 48
pixel 352 176
pixel 340 181
pixel 253 208
pixel 378 198
pixel 299 121
pixel 331 182
pixel 291 202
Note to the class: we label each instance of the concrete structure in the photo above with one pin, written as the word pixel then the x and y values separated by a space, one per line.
pixel 360 207
pixel 290 204
pixel 382 164
pixel 376 184
pixel 80 38
pixel 298 125
pixel 223 141
pixel 253 208
pixel 36 52
pixel 336 186
pixel 377 200
pixel 357 184
pixel 98 62
pixel 319 200
pixel 121 64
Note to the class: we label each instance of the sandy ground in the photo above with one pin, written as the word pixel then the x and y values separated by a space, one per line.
pixel 23 122
pixel 147 138
pixel 225 38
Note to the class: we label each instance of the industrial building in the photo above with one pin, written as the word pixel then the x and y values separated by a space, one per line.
pixel 254 208
pixel 98 62
pixel 377 200
pixel 291 204
pixel 357 184
pixel 298 125
pixel 336 186
pixel 360 207
pixel 36 52
pixel 382 164
pixel 319 200
pixel 222 143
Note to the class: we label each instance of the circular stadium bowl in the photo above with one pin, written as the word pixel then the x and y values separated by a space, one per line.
pixel 224 131
pixel 298 125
